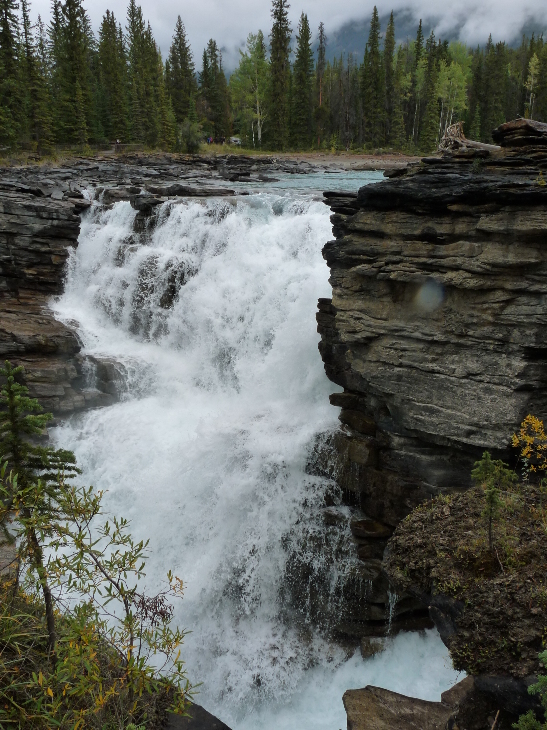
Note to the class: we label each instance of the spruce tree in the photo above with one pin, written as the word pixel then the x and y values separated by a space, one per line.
pixel 321 111
pixel 400 89
pixel 373 86
pixel 302 87
pixel 70 44
pixel 390 75
pixel 181 74
pixel 114 102
pixel 493 89
pixel 10 96
pixel 280 48
pixel 416 83
pixel 430 127
pixel 214 91
pixel 37 98
pixel 135 50
pixel 167 122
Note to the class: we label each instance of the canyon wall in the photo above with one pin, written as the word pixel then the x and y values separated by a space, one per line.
pixel 36 235
pixel 436 326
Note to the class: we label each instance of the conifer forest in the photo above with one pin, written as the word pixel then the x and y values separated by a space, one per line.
pixel 60 84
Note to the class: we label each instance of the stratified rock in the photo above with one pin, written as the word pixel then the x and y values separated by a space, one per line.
pixel 36 235
pixel 435 329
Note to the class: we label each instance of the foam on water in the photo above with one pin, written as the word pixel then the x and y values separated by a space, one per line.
pixel 212 315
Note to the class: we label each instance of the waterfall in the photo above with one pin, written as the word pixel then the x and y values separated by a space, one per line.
pixel 210 313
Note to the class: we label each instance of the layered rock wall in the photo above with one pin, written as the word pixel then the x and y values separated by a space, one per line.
pixel 435 331
pixel 436 327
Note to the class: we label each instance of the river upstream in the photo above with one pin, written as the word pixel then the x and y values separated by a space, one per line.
pixel 212 318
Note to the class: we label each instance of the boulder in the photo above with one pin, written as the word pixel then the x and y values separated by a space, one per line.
pixel 199 719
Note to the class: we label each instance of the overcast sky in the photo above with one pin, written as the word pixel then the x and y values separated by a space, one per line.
pixel 230 21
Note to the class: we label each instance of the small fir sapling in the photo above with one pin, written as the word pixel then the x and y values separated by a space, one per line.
pixel 494 477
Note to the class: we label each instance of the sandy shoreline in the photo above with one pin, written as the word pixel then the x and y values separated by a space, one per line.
pixel 348 161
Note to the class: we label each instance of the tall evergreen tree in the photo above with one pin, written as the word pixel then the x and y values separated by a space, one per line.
pixel 70 45
pixel 430 125
pixel 10 91
pixel 321 111
pixel 373 86
pixel 280 72
pixel 214 91
pixel 135 31
pixel 112 59
pixel 181 74
pixel 493 89
pixel 401 85
pixel 417 81
pixel 37 98
pixel 389 68
pixel 302 86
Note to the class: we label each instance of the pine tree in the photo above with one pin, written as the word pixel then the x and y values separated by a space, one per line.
pixel 181 75
pixel 428 138
pixel 373 86
pixel 493 89
pixel 112 61
pixel 280 48
pixel 214 91
pixel 400 89
pixel 70 44
pixel 416 82
pixel 390 76
pixel 10 96
pixel 37 98
pixel 135 51
pixel 167 123
pixel 301 128
pixel 321 110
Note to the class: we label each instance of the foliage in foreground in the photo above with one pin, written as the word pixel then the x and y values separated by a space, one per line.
pixel 81 646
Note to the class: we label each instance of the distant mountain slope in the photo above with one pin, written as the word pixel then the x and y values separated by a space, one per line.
pixel 352 37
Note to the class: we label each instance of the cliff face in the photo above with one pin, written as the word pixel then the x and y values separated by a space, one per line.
pixel 436 328
pixel 36 234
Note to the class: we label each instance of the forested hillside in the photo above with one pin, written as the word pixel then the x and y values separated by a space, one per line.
pixel 62 85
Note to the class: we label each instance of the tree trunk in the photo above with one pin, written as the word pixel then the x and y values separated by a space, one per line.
pixel 38 560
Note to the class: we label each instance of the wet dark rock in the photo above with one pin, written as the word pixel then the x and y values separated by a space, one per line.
pixel 144 203
pixel 36 235
pixel 370 529
pixel 464 707
pixel 199 719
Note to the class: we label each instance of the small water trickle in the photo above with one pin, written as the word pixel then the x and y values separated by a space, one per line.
pixel 393 599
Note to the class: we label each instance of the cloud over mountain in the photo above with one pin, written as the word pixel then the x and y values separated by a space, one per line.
pixel 230 22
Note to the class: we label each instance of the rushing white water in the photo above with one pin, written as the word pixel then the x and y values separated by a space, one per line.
pixel 212 317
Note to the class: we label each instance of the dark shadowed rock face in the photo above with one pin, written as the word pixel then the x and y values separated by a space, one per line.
pixel 436 328
pixel 37 233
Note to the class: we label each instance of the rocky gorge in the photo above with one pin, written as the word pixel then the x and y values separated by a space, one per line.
pixel 435 330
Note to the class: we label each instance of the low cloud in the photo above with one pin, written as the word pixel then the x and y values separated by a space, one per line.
pixel 230 22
